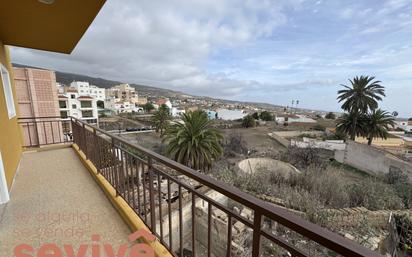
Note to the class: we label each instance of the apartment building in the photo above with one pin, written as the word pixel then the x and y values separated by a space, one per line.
pixel 141 101
pixel 123 92
pixel 37 99
pixel 85 89
pixel 81 106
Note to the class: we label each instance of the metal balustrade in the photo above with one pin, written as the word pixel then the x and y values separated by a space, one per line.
pixel 169 197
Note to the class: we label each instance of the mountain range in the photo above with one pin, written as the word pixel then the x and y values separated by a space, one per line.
pixel 66 78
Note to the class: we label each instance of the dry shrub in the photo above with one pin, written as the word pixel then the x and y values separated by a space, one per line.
pixel 374 194
pixel 235 144
pixel 304 158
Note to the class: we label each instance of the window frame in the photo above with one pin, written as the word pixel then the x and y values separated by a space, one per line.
pixel 65 104
pixel 88 111
pixel 8 91
pixel 88 106
pixel 64 116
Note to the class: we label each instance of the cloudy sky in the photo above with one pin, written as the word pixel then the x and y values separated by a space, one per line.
pixel 254 50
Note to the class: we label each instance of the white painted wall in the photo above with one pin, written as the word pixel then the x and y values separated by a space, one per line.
pixel 327 144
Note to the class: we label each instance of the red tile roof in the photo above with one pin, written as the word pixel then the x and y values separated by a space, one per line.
pixel 161 101
pixel 73 90
pixel 85 97
pixel 62 96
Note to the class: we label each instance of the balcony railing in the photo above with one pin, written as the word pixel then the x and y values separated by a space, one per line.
pixel 193 214
pixel 41 131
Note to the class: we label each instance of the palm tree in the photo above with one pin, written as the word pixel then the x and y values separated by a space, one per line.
pixel 377 124
pixel 193 142
pixel 161 119
pixel 345 125
pixel 363 95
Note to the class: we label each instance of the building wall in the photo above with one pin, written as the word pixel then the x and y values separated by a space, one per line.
pixel 389 142
pixel 371 159
pixel 84 88
pixel 10 133
pixel 77 112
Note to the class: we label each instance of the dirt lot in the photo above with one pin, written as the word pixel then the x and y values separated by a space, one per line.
pixel 257 139
pixel 149 140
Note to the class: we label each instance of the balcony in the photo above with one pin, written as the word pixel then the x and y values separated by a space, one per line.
pixel 190 213
pixel 54 199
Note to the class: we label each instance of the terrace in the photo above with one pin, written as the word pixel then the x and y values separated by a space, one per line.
pixel 190 213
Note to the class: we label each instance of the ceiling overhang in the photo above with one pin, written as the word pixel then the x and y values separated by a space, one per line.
pixel 57 26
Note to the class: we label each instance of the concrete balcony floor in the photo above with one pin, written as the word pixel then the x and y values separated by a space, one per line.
pixel 55 200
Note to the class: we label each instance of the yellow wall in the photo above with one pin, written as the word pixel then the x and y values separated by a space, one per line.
pixel 389 142
pixel 10 133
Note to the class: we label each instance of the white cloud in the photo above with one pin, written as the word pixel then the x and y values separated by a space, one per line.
pixel 163 42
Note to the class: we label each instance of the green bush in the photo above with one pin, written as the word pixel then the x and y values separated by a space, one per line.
pixel 248 122
pixel 330 116
pixel 266 116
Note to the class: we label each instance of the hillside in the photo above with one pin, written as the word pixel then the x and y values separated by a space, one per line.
pixel 66 78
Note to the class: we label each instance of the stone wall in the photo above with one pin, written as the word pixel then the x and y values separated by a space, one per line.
pixel 372 160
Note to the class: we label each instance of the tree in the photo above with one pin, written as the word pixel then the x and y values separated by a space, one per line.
pixel 193 142
pixel 377 124
pixel 330 116
pixel 161 119
pixel 248 121
pixel 345 125
pixel 363 95
pixel 255 115
pixel 148 107
pixel 266 116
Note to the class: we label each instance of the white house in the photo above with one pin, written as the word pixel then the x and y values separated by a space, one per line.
pixel 122 106
pixel 403 124
pixel 164 101
pixel 177 112
pixel 83 107
pixel 282 118
pixel 225 114
pixel 84 88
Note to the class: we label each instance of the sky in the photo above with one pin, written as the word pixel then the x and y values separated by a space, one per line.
pixel 271 51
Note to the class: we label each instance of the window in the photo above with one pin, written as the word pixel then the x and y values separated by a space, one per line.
pixel 86 104
pixel 73 96
pixel 8 92
pixel 74 106
pixel 63 114
pixel 87 114
pixel 62 104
